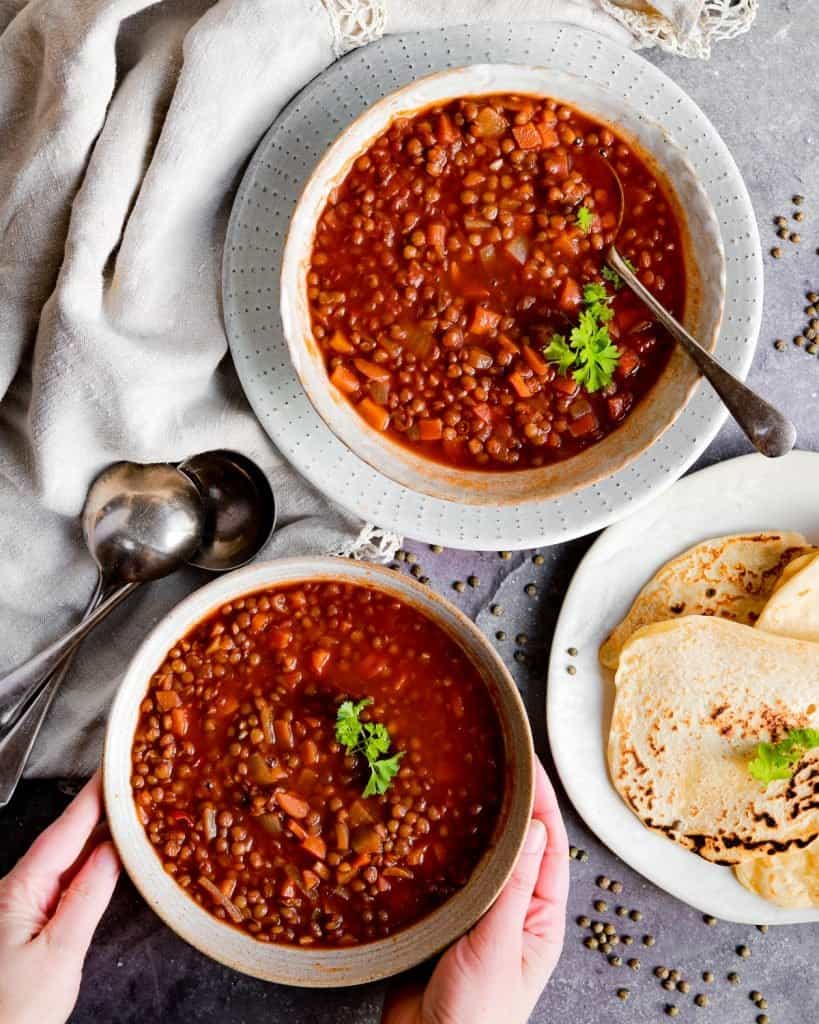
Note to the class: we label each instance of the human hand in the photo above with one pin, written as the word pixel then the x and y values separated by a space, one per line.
pixel 50 904
pixel 497 971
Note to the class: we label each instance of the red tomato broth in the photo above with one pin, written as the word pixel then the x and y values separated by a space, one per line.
pixel 445 261
pixel 236 736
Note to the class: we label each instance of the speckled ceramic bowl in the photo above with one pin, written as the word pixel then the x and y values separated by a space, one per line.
pixel 705 270
pixel 320 968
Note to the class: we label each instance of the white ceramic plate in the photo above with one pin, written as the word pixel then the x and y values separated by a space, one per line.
pixel 259 223
pixel 748 493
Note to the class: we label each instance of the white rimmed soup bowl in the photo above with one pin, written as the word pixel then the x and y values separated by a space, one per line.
pixel 304 966
pixel 705 289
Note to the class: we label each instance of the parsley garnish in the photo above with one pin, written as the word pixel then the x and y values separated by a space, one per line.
pixel 777 760
pixel 370 740
pixel 584 219
pixel 614 278
pixel 590 352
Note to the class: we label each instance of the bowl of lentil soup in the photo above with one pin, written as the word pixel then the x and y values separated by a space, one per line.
pixel 318 772
pixel 434 287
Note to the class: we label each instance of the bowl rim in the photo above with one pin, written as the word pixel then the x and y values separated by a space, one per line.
pixel 506 487
pixel 292 965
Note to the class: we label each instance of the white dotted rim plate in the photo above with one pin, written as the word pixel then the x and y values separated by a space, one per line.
pixel 744 494
pixel 258 226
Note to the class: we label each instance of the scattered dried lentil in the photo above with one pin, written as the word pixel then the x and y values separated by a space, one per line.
pixel 584 921
pixel 661 972
pixel 459 585
pixel 700 999
pixel 410 557
pixel 621 911
pixel 798 199
pixel 572 652
pixel 669 985
pixel 762 928
pixel 522 639
pixel 683 986
pixel 734 978
pixel 762 1018
pixel 799 215
pixel 600 906
pixel 520 657
pixel 743 951
pixel 538 559
pixel 623 993
pixel 708 977
pixel 617 887
pixel 436 549
pixel 615 960
pixel 530 590
pixel 795 237
pixel 635 915
pixel 571 670
pixel 474 581
pixel 496 609
pixel 672 1011
pixel 779 344
pixel 776 252
pixel 634 964
pixel 506 555
pixel 500 635
pixel 799 340
pixel 648 940
pixel 591 942
pixel 709 920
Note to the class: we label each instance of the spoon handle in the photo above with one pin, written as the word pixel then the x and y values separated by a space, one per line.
pixel 26 677
pixel 765 427
pixel 18 738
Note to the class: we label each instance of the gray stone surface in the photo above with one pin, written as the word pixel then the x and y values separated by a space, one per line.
pixel 762 93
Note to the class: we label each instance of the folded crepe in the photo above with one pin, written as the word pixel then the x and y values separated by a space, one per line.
pixel 728 577
pixel 694 697
pixel 789 879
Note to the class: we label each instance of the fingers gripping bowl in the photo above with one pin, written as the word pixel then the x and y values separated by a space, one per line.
pixel 446 241
pixel 256 832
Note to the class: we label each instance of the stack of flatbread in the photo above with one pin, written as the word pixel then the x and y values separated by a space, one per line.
pixel 719 653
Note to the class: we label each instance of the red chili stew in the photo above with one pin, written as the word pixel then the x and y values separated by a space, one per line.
pixel 256 809
pixel 454 251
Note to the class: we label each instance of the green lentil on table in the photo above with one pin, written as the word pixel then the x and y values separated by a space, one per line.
pixel 572 652
pixel 743 951
pixel 538 559
pixel 584 921
pixel 649 940
pixel 530 590
pixel 708 977
pixel 734 978
pixel 571 670
pixel 474 581
pixel 700 999
pixel 600 906
pixel 501 634
pixel 623 993
pixel 776 252
pixel 436 549
pixel 603 881
pixel 709 920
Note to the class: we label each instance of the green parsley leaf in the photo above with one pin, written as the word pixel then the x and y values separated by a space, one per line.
pixel 381 774
pixel 376 740
pixel 612 277
pixel 777 760
pixel 590 353
pixel 595 293
pixel 584 219
pixel 348 726
pixel 559 352
pixel 597 356
pixel 369 740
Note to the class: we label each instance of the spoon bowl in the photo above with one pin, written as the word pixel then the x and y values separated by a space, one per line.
pixel 141 522
pixel 239 505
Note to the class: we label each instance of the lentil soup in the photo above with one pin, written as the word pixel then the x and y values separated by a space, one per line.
pixel 256 807
pixel 449 276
